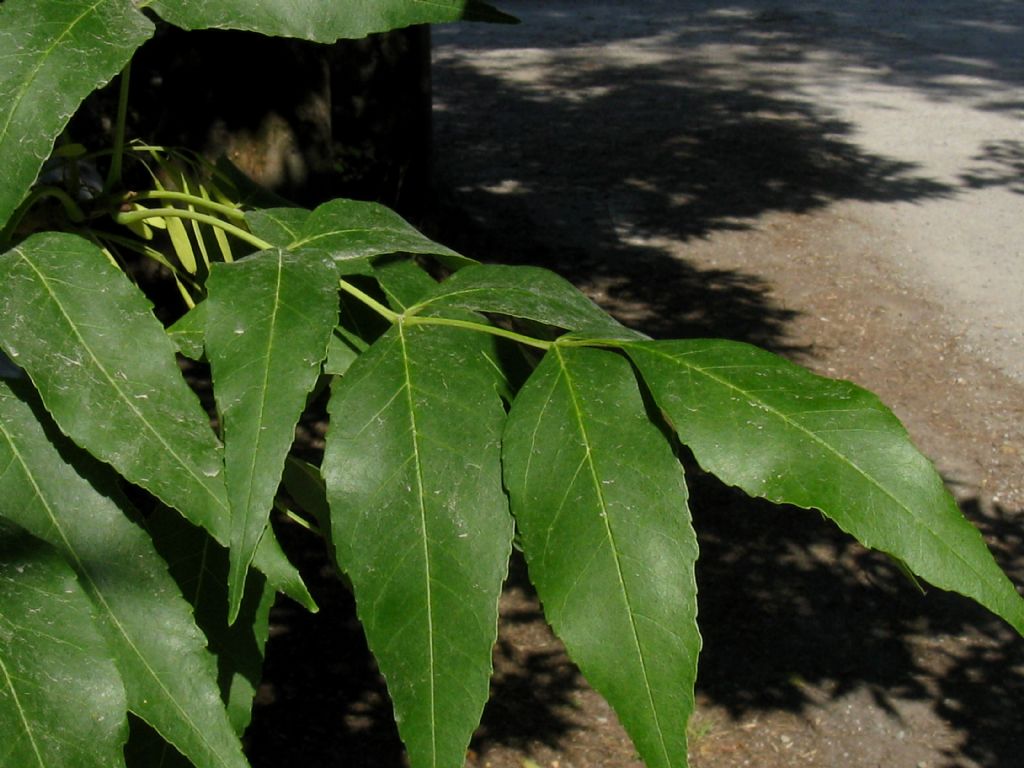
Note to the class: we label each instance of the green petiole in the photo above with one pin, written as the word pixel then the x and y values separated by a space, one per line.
pixel 127 217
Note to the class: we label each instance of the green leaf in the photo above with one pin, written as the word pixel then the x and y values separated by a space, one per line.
pixel 269 318
pixel 421 525
pixel 305 485
pixel 106 370
pixel 342 350
pixel 600 504
pixel 278 226
pixel 61 697
pixel 403 281
pixel 779 432
pixel 319 21
pixel 199 566
pixel 526 292
pixel 189 332
pixel 54 55
pixel 352 231
pixel 169 677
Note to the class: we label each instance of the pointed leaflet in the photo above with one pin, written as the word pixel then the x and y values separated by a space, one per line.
pixel 169 677
pixel 420 523
pixel 600 503
pixel 61 698
pixel 53 55
pixel 320 21
pixel 778 431
pixel 351 231
pixel 269 317
pixel 105 369
pixel 527 292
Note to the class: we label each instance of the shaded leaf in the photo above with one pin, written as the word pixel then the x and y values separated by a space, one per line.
pixel 269 318
pixel 305 485
pixel 421 526
pixel 106 370
pixel 169 677
pixel 189 332
pixel 342 350
pixel 61 698
pixel 53 56
pixel 782 433
pixel 601 507
pixel 199 566
pixel 526 292
pixel 278 226
pixel 319 21
pixel 403 281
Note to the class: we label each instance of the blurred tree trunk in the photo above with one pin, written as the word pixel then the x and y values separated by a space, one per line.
pixel 308 121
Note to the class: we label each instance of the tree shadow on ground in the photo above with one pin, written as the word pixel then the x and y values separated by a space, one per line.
pixel 595 172
pixel 601 171
pixel 790 608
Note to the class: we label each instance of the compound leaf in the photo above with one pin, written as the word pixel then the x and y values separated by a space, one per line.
pixel 780 432
pixel 525 292
pixel 106 370
pixel 421 525
pixel 61 697
pixel 601 506
pixel 319 21
pixel 269 318
pixel 53 55
pixel 170 679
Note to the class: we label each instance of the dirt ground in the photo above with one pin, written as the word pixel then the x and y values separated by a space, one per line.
pixel 700 170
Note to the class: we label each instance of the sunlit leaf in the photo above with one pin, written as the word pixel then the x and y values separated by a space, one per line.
pixel 421 526
pixel 61 697
pixel 526 292
pixel 601 507
pixel 319 21
pixel 351 231
pixel 106 370
pixel 269 318
pixel 53 55
pixel 778 431
pixel 169 677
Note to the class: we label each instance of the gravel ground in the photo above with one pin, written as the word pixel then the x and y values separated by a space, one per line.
pixel 838 182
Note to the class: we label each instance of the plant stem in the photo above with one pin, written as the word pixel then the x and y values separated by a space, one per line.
pixel 151 213
pixel 372 303
pixel 479 327
pixel 200 202
pixel 114 171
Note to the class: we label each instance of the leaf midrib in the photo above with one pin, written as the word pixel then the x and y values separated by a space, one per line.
pixel 111 380
pixel 814 436
pixel 21 714
pixel 414 433
pixel 578 413
pixel 81 569
pixel 42 60
pixel 243 564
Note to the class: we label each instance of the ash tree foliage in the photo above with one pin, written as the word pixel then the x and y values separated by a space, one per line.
pixel 469 404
